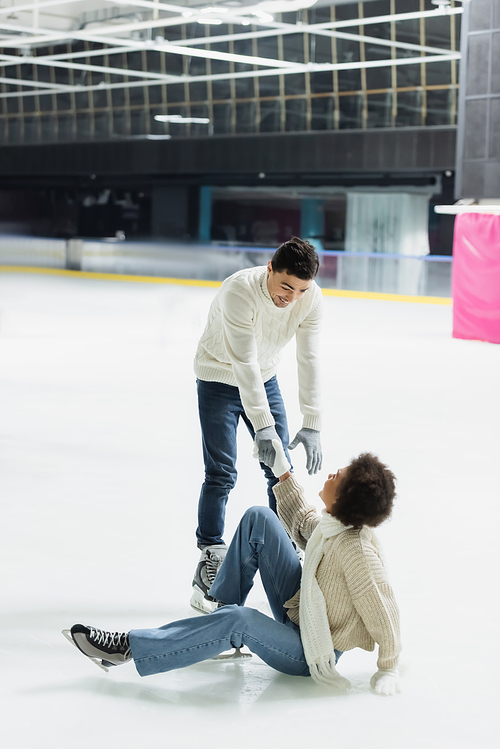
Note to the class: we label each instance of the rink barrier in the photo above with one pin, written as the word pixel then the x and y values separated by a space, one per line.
pixel 215 284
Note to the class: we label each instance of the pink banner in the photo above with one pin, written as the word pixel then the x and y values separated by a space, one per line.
pixel 475 284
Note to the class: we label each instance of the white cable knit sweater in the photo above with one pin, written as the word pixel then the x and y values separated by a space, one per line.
pixel 243 339
pixel 360 605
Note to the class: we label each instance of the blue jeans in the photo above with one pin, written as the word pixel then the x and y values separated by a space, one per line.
pixel 220 409
pixel 260 543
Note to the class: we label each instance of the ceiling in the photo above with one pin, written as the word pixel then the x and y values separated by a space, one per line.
pixel 28 29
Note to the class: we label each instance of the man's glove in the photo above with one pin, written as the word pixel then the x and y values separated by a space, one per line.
pixel 264 442
pixel 386 681
pixel 280 464
pixel 314 455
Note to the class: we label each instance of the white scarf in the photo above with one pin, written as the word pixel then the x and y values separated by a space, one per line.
pixel 314 627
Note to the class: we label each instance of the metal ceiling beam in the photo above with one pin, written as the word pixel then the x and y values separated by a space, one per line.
pixel 310 67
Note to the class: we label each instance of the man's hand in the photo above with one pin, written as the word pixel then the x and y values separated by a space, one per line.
pixel 386 682
pixel 264 442
pixel 280 464
pixel 312 445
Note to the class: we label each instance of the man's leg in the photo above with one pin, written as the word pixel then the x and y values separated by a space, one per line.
pixel 189 641
pixel 277 407
pixel 260 543
pixel 219 408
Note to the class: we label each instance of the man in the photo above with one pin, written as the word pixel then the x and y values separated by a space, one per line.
pixel 256 312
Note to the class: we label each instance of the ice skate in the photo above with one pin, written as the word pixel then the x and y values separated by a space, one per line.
pixel 211 559
pixel 234 655
pixel 105 649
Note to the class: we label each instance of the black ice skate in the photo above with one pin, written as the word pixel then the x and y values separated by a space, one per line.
pixel 211 559
pixel 105 649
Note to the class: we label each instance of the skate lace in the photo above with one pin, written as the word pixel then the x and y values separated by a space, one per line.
pixel 213 562
pixel 118 640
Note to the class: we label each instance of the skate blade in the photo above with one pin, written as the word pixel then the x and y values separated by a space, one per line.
pixel 67 634
pixel 235 655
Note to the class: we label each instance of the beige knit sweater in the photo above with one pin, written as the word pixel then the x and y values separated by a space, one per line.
pixel 359 600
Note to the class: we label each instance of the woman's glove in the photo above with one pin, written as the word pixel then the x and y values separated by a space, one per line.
pixel 386 681
pixel 279 463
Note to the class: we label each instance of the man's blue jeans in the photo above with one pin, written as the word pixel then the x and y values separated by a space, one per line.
pixel 260 543
pixel 220 409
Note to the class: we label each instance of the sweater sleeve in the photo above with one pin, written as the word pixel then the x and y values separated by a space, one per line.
pixel 299 518
pixel 238 317
pixel 372 597
pixel 308 367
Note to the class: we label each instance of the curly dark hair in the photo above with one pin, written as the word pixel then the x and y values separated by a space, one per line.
pixel 366 493
pixel 298 258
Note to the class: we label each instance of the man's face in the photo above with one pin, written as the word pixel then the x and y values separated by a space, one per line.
pixel 284 289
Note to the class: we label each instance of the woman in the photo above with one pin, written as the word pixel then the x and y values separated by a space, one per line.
pixel 339 601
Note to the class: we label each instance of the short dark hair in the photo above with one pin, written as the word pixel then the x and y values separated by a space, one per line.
pixel 366 493
pixel 298 258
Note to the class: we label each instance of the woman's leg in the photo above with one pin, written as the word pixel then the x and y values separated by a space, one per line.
pixel 260 543
pixel 189 641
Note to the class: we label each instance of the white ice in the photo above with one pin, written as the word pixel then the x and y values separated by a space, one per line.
pixel 100 474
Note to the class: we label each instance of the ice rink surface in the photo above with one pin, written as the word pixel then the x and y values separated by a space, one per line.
pixel 100 475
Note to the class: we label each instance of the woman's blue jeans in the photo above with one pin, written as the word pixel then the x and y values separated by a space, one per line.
pixel 260 543
pixel 220 409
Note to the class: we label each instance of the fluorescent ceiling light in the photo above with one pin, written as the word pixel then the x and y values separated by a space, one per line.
pixel 180 118
pixel 213 21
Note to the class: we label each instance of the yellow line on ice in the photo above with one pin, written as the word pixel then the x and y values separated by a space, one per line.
pixel 213 284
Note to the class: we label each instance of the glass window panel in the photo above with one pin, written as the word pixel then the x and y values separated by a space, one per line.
pixel 379 110
pixel 222 118
pixel 134 60
pixel 139 122
pixel 65 127
pixel 350 111
pixel 245 117
pixel 13 104
pixel 243 47
pixel 175 92
pixel 120 122
pixel 408 75
pixel 438 73
pixel 322 110
pixel 319 15
pixel 136 95
pixel 198 91
pixel 270 116
pixel 408 31
pixel 438 108
pixel 321 82
pixel 197 66
pixel 295 84
pixel 320 49
pixel 244 88
pixel 378 77
pixel 101 125
pixel 46 102
pixel 409 109
pixel 29 104
pixel 438 31
pixel 82 100
pixel 31 129
pixel 219 67
pixel 43 73
pixel 173 64
pixel 221 90
pixel 295 115
pixel 155 94
pixel 153 61
pixel 100 98
pixel 293 47
pixel 83 126
pixel 376 8
pixel 15 130
pixel 118 97
pixel 268 47
pixel 48 128
pixel 349 80
pixel 345 12
pixel 269 85
pixel 64 102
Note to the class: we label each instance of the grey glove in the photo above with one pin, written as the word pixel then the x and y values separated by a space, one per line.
pixel 264 442
pixel 312 445
pixel 281 464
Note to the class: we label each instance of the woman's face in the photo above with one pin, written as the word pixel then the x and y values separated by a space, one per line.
pixel 330 490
